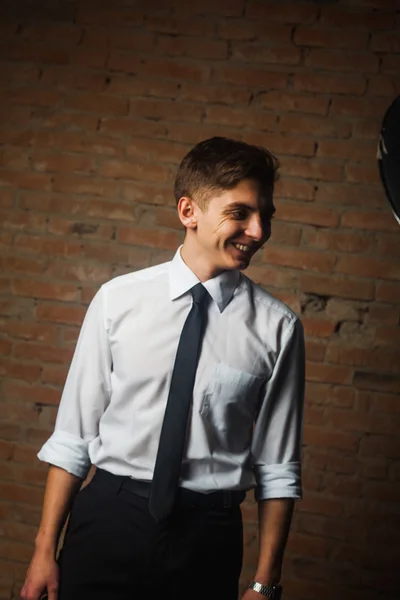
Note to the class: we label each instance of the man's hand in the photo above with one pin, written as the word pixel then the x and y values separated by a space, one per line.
pixel 41 578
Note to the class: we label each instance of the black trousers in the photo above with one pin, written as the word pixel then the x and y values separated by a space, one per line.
pixel 114 550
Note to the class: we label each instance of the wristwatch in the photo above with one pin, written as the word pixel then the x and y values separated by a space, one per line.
pixel 273 592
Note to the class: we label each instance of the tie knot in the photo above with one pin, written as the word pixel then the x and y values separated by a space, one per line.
pixel 198 292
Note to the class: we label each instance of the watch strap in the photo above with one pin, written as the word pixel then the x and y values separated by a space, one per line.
pixel 273 592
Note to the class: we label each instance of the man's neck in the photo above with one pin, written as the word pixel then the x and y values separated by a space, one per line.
pixel 198 263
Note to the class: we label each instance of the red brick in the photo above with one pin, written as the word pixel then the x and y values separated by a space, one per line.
pixel 79 272
pixel 226 8
pixel 130 39
pixel 368 267
pixel 380 359
pixel 6 198
pixel 318 503
pixel 328 60
pixel 31 393
pixel 256 52
pixel 290 145
pixel 353 106
pixel 110 15
pixel 63 163
pixel 383 85
pixel 289 102
pixel 321 437
pixel 22 221
pixel 69 34
pixel 387 336
pixel 54 375
pixel 299 259
pixel 329 84
pixel 29 331
pixel 315 350
pixel 74 184
pixel 374 221
pixel 180 69
pixel 67 227
pixel 391 64
pixel 72 315
pixel 387 292
pixel 337 286
pixel 118 211
pixel 285 233
pixel 147 237
pixel 130 128
pixel 380 446
pixel 43 289
pixel 339 241
pixel 48 246
pixel 236 117
pixel 134 170
pixel 38 52
pixel 314 546
pixel 91 58
pixel 180 26
pixel 250 76
pixel 42 353
pixel 168 218
pixel 367 128
pixel 345 194
pixel 383 314
pixel 20 371
pixel 364 174
pixel 192 48
pixel 384 41
pixel 103 104
pixel 294 189
pixel 292 12
pixel 165 110
pixel 341 16
pixel 70 336
pixel 320 328
pixel 126 85
pixel 330 38
pixel 241 29
pixel 271 276
pixel 377 382
pixel 309 125
pixel 25 180
pixel 313 215
pixel 34 97
pixel 214 94
pixel 355 151
pixel 312 169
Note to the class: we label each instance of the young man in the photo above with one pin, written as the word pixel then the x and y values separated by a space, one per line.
pixel 185 391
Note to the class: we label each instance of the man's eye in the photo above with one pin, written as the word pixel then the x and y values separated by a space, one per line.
pixel 239 214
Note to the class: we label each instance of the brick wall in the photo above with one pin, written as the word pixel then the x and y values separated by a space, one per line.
pixel 99 102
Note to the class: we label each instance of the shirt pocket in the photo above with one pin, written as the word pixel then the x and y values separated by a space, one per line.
pixel 229 406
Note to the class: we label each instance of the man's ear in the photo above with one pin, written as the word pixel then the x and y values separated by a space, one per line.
pixel 187 212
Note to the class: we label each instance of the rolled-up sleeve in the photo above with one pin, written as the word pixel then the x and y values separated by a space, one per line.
pixel 85 397
pixel 277 438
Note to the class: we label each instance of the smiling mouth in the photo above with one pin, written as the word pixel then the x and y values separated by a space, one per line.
pixel 242 247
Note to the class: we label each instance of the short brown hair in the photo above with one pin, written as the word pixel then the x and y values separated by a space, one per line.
pixel 220 164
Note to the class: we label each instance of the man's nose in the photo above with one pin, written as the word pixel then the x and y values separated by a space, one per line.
pixel 255 228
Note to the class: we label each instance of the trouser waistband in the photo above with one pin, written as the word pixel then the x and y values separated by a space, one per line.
pixel 185 498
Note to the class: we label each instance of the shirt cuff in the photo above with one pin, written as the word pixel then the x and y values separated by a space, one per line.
pixel 278 481
pixel 67 451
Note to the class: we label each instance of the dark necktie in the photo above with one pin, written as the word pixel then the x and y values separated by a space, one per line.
pixel 173 433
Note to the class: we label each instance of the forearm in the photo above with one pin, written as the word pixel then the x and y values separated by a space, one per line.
pixel 61 488
pixel 275 517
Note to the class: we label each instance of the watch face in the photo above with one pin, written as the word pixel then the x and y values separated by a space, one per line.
pixel 389 156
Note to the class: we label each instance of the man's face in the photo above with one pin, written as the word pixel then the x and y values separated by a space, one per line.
pixel 234 225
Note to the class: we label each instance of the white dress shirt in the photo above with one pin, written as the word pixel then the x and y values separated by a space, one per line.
pixel 245 426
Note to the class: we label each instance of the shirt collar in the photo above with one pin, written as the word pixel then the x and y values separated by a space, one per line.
pixel 182 279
